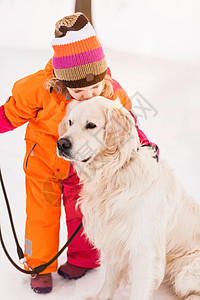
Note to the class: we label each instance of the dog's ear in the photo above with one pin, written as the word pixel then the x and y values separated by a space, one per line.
pixel 119 125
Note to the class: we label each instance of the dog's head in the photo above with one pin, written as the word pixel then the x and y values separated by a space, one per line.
pixel 94 126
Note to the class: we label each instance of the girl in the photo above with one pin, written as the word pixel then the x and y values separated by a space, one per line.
pixel 78 71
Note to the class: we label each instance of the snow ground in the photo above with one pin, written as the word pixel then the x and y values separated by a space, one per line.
pixel 171 87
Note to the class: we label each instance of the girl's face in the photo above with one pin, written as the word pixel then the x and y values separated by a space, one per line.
pixel 88 92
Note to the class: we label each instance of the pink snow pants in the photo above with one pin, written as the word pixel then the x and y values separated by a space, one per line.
pixel 80 252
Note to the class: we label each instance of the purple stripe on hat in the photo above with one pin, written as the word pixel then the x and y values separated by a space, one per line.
pixel 77 60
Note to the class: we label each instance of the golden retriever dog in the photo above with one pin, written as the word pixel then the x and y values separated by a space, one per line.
pixel 134 208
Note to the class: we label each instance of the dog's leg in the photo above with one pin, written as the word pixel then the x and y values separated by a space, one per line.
pixel 185 276
pixel 110 284
pixel 142 277
pixel 160 262
pixel 148 259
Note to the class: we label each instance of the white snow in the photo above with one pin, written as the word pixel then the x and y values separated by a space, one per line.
pixel 170 86
pixel 167 29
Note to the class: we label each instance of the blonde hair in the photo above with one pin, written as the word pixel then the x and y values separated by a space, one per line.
pixel 60 88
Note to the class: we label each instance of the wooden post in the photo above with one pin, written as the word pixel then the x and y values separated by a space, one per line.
pixel 84 6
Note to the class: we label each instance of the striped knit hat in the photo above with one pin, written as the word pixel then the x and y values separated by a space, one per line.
pixel 78 60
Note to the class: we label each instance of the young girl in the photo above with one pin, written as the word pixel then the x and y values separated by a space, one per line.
pixel 78 71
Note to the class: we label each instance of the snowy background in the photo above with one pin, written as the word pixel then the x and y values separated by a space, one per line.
pixel 153 50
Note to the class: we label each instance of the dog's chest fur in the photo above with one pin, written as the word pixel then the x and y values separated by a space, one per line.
pixel 105 219
pixel 109 203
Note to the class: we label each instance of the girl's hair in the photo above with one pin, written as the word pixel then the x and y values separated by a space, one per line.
pixel 60 88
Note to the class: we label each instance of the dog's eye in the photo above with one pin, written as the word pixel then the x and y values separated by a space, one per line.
pixel 70 123
pixel 90 126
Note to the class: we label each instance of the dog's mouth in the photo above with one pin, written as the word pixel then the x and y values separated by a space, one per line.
pixel 68 157
pixel 65 156
pixel 85 160
pixel 63 151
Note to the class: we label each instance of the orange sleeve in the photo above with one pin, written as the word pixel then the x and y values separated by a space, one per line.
pixel 27 98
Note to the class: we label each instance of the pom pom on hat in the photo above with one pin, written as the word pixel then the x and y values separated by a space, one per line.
pixel 78 59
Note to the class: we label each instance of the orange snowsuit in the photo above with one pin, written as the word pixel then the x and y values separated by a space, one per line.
pixel 43 110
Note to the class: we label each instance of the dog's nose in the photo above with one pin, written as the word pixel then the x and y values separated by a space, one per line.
pixel 64 144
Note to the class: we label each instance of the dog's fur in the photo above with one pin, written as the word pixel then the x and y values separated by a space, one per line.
pixel 134 208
